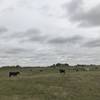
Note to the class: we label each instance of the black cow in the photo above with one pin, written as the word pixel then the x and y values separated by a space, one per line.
pixel 41 70
pixel 62 71
pixel 13 73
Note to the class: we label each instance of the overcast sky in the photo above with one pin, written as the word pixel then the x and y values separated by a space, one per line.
pixel 43 32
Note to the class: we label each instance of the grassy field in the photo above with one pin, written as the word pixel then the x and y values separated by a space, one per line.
pixel 49 84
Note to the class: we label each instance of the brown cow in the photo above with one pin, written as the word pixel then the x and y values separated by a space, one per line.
pixel 62 71
pixel 13 73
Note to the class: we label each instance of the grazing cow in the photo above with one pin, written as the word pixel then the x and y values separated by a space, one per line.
pixel 13 73
pixel 62 71
pixel 41 70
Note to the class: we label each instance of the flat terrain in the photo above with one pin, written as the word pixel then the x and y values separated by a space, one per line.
pixel 49 84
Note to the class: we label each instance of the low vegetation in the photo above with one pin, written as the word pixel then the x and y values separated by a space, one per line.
pixel 78 83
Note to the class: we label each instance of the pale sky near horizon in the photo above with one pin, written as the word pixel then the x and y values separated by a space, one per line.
pixel 43 32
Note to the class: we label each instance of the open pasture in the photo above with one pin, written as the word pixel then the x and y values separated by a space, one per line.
pixel 49 84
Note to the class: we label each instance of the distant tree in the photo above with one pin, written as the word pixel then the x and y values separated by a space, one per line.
pixel 66 64
pixel 18 66
pixel 53 66
pixel 58 64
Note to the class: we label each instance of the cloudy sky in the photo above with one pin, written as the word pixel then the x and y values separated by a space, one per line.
pixel 43 32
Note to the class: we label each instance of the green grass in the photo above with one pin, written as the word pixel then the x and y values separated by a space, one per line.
pixel 49 85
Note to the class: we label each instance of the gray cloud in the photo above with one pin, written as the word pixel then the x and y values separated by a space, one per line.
pixel 37 34
pixel 74 6
pixel 67 40
pixel 85 19
pixel 3 29
pixel 27 33
pixel 30 35
pixel 34 35
pixel 16 51
pixel 93 43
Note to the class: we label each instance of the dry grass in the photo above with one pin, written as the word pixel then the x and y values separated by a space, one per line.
pixel 49 85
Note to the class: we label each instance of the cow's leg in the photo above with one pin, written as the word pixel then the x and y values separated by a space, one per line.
pixel 9 75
